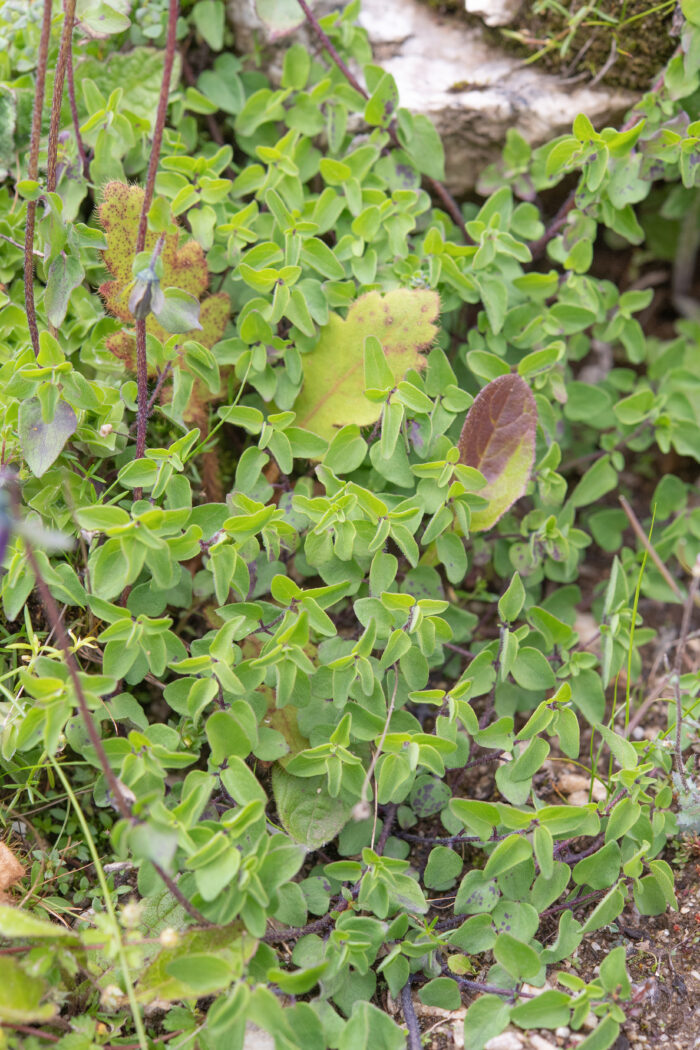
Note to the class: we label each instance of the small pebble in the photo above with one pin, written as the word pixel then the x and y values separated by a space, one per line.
pixel 591 1021
pixel 505 1041
pixel 563 1032
pixel 538 1042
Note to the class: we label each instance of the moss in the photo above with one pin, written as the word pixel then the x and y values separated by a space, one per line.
pixel 643 46
pixel 640 32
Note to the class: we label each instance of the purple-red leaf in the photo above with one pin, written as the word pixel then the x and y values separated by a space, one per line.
pixel 498 439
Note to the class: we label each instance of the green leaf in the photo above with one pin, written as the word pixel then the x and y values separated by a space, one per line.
pixel 498 439
pixel 444 865
pixel 606 911
pixel 42 443
pixel 65 274
pixel 307 811
pixel 549 1009
pixel 485 1019
pixel 691 11
pixel 517 959
pixel 599 870
pixel 442 992
pixel 532 670
pixel 512 601
pixel 370 1027
pixel 21 995
pixel 141 69
pixel 102 18
pixel 425 147
pixel 603 1035
pixel 333 393
pixel 507 854
pixel 8 122
pixel 476 894
pixel 179 311
pixel 297 982
pixel 203 974
pixel 208 16
pixel 15 922
pixel 381 106
pixel 595 483
pixel 281 17
pixel 207 959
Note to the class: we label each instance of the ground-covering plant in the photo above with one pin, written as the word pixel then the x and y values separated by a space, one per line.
pixel 301 472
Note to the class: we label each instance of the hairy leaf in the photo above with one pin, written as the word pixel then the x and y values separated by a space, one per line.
pixel 184 267
pixel 498 439
pixel 333 394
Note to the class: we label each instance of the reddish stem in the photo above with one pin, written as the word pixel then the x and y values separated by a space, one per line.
pixel 63 57
pixel 32 172
pixel 74 112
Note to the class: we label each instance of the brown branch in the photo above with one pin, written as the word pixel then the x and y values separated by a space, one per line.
pixel 59 79
pixel 32 172
pixel 646 543
pixel 437 187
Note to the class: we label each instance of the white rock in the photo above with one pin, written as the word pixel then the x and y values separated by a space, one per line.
pixel 591 1020
pixel 507 1040
pixel 578 798
pixel 563 1032
pixel 493 12
pixel 257 1039
pixel 472 91
pixel 576 782
pixel 538 1042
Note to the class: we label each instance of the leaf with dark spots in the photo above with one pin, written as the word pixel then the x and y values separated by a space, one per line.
pixel 333 394
pixel 498 439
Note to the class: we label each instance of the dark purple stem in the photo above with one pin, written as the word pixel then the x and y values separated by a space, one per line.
pixel 409 1014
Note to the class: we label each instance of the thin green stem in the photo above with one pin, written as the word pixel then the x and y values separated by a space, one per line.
pixel 634 622
pixel 131 996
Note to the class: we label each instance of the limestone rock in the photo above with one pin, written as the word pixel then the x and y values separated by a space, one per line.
pixel 493 12
pixel 472 91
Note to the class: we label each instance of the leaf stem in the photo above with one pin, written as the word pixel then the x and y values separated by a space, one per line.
pixel 32 172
